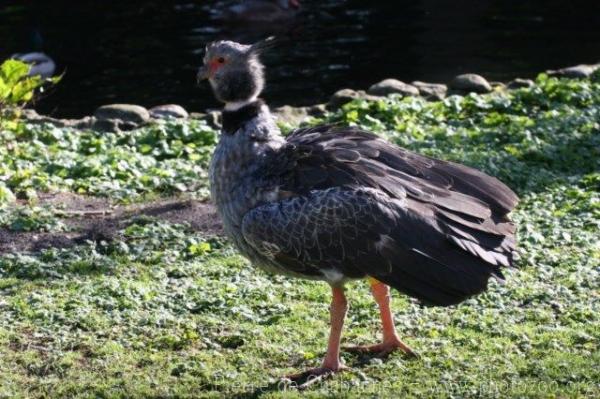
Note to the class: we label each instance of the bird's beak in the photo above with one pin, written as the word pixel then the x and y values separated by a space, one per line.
pixel 202 74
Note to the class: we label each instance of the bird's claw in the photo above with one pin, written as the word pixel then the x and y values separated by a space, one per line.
pixel 382 350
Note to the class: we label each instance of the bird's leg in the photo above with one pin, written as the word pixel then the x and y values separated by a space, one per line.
pixel 339 307
pixel 391 341
pixel 331 363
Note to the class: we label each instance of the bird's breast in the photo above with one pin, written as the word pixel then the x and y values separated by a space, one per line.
pixel 234 188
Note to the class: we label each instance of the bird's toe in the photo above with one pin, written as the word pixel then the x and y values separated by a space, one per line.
pixel 381 350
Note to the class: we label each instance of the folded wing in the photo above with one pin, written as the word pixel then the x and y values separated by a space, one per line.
pixel 351 203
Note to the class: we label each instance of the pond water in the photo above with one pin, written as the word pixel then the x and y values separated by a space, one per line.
pixel 147 52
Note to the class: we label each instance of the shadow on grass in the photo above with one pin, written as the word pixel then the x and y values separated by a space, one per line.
pixel 96 226
pixel 307 382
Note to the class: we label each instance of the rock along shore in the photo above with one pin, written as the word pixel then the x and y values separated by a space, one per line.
pixel 124 117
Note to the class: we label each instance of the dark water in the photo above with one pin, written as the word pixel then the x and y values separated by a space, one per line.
pixel 146 52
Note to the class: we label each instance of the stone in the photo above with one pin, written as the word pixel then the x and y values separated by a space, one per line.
pixel 211 117
pixel 317 110
pixel 106 125
pixel 392 86
pixel 342 97
pixel 126 125
pixel 520 83
pixel 33 117
pixel 29 113
pixel 197 115
pixel 291 115
pixel 431 91
pixel 214 119
pixel 167 111
pixel 84 123
pixel 370 97
pixel 124 112
pixel 573 72
pixel 112 125
pixel 470 82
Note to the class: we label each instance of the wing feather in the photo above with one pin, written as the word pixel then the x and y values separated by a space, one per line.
pixel 349 200
pixel 359 232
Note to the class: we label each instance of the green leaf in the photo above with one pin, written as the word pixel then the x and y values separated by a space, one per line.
pixel 199 248
pixel 6 195
pixel 11 71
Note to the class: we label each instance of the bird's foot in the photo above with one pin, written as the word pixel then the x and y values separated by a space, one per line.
pixel 383 349
pixel 312 376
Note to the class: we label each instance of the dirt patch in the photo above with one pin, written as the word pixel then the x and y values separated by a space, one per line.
pixel 73 202
pixel 95 219
pixel 201 216
pixel 11 241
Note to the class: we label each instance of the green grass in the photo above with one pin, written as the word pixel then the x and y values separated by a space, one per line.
pixel 166 311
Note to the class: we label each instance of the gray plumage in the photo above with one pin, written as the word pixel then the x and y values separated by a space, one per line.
pixel 336 203
pixel 40 64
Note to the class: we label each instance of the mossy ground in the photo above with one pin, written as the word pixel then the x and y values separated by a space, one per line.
pixel 165 310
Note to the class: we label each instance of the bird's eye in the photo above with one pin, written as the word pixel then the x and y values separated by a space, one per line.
pixel 221 60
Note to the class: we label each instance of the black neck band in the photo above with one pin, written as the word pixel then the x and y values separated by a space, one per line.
pixel 234 120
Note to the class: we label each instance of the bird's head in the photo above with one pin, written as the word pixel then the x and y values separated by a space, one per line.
pixel 234 70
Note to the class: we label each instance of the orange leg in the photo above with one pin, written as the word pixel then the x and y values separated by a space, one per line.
pixel 339 307
pixel 331 363
pixel 391 341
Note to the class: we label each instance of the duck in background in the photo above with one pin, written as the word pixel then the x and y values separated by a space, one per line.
pixel 254 11
pixel 41 63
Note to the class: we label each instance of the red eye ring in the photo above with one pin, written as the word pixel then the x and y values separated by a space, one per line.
pixel 221 60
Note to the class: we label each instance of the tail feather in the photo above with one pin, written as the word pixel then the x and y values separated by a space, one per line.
pixel 444 263
pixel 477 184
pixel 433 283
